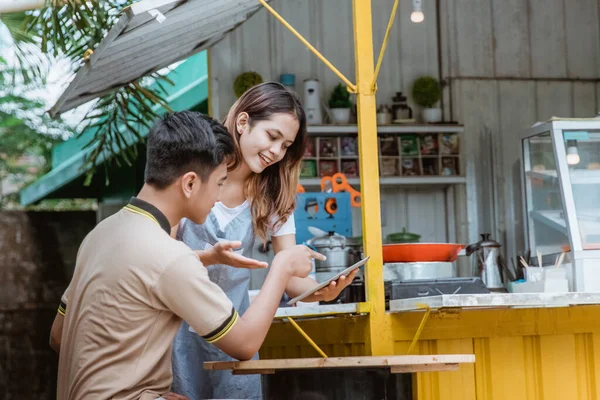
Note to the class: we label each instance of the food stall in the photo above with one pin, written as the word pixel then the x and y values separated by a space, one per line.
pixel 536 330
pixel 527 339
pixel 475 340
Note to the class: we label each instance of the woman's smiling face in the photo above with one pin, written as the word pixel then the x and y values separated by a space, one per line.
pixel 267 141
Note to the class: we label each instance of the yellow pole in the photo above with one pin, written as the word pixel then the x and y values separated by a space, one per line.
pixel 379 339
pixel 308 339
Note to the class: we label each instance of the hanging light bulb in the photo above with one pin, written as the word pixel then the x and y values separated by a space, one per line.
pixel 572 153
pixel 417 15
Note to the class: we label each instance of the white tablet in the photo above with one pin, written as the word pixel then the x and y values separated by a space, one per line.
pixel 320 286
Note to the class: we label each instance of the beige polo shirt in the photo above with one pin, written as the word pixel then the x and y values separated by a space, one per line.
pixel 132 286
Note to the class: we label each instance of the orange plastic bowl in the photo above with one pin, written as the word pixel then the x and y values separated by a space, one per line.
pixel 421 252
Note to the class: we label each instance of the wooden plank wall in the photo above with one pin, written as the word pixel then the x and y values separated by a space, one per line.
pixel 510 63
pixel 262 44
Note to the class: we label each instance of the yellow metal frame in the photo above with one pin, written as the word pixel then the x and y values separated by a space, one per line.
pixel 521 353
pixel 384 44
pixel 379 335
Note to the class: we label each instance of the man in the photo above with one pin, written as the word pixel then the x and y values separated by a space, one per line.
pixel 133 283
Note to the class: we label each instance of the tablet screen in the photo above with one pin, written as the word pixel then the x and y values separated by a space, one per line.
pixel 320 286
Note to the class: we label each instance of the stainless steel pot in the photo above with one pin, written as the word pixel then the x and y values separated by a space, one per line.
pixel 341 252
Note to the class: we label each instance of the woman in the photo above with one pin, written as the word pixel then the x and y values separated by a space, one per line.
pixel 269 128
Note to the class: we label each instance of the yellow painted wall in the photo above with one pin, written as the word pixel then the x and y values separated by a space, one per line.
pixel 520 353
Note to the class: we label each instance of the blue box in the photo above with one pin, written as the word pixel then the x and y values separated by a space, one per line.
pixel 340 222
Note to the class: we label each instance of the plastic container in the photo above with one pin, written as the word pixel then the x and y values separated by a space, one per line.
pixel 288 80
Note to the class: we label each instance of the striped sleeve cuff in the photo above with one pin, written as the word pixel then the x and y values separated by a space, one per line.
pixel 224 329
pixel 62 308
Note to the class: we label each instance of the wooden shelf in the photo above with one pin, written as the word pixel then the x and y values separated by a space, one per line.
pixel 319 310
pixel 396 169
pixel 395 364
pixel 551 219
pixel 586 177
pixel 396 128
pixel 397 181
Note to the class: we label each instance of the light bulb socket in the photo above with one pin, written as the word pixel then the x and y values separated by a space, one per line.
pixel 417 15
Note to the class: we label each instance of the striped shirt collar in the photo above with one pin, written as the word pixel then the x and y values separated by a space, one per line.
pixel 146 209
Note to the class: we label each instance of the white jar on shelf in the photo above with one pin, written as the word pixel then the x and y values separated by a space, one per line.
pixel 312 102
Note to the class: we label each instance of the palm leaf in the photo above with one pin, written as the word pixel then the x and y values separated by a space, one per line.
pixel 116 117
pixel 31 63
pixel 68 28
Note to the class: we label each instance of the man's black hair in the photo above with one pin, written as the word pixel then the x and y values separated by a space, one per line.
pixel 185 141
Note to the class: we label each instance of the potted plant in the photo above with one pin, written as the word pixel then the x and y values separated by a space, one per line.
pixel 245 81
pixel 340 104
pixel 426 92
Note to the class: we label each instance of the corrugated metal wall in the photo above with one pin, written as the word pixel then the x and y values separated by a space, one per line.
pixel 521 354
pixel 553 367
pixel 510 63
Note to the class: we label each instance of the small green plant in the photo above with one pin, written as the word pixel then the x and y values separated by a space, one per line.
pixel 340 98
pixel 427 91
pixel 245 81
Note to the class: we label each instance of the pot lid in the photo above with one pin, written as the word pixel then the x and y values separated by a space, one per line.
pixel 487 242
pixel 330 240
pixel 404 235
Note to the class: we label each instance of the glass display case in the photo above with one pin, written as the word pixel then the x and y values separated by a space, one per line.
pixel 561 176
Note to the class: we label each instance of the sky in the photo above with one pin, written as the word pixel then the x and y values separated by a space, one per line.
pixel 60 74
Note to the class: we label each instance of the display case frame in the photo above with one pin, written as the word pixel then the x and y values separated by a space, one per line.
pixel 562 215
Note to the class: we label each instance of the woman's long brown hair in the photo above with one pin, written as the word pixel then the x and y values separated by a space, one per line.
pixel 271 193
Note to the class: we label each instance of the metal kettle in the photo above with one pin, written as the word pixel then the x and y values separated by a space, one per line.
pixel 487 261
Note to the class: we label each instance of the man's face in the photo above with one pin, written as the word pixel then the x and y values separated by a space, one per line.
pixel 206 194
